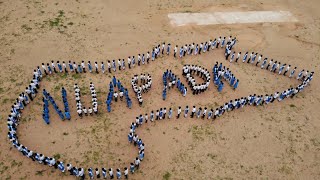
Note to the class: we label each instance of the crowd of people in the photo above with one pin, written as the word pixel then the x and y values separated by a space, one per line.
pixel 160 114
pixel 73 67
pixel 45 113
pixel 65 103
pixel 193 49
pixel 205 113
pixel 94 100
pixel 146 82
pixel 251 100
pixel 46 99
pixel 81 110
pixel 113 95
pixel 220 72
pixel 142 59
pixel 189 70
pixel 275 66
pixel 170 80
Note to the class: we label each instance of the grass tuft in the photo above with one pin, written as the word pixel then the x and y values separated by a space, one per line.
pixel 166 176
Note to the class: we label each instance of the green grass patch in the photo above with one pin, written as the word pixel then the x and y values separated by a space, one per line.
pixel 5 100
pixel 315 142
pixel 57 156
pixel 76 76
pixel 285 170
pixel 63 75
pixel 166 176
pixel 55 22
pixel 39 173
pixel 26 27
pixel 57 87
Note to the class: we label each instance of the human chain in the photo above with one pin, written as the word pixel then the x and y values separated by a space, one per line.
pixel 204 113
pixel 113 95
pixel 146 82
pixel 174 81
pixel 254 100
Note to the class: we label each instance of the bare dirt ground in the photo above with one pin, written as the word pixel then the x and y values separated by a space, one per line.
pixel 280 141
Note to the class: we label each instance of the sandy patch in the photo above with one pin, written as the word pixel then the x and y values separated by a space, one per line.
pixel 182 19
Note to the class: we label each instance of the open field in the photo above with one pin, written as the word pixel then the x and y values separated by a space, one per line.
pixel 280 141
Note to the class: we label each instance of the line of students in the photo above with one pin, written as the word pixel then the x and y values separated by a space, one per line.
pixel 220 72
pixel 205 113
pixel 81 109
pixel 46 99
pixel 193 49
pixel 79 172
pixel 189 70
pixel 78 100
pixel 31 92
pixel 156 52
pixel 252 100
pixel 82 67
pixel 14 117
pixel 113 95
pixel 65 103
pixel 94 100
pixel 45 113
pixel 275 66
pixel 172 78
pixel 146 82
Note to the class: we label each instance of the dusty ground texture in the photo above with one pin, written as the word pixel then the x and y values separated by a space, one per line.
pixel 280 141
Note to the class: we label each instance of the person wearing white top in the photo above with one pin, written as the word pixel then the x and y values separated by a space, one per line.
pixel 193 111
pixel 175 51
pixel 259 59
pixel 129 62
pixel 179 112
pixel 148 57
pixel 81 173
pixel 238 56
pixel 75 67
pixel 125 172
pixel 137 163
pixel 287 69
pixel 44 68
pixel 111 173
pixel 84 110
pixel 83 67
pixel 115 95
pixel 79 111
pixel 96 66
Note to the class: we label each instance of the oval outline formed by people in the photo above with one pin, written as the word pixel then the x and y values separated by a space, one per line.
pixel 218 71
